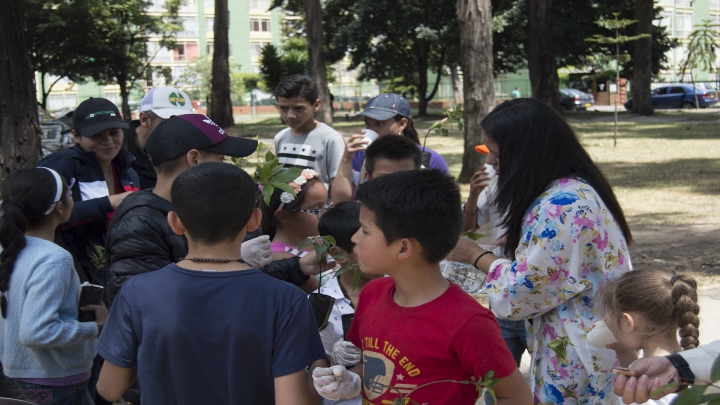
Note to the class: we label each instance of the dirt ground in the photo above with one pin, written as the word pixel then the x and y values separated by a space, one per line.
pixel 690 249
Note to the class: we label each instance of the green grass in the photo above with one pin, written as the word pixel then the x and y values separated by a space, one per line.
pixel 665 169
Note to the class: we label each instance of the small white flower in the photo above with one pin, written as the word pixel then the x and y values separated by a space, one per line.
pixel 300 181
pixel 286 198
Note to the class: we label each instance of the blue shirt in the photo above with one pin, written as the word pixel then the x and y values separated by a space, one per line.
pixel 41 336
pixel 210 337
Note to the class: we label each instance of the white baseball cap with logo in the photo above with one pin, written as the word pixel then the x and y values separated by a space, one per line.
pixel 166 102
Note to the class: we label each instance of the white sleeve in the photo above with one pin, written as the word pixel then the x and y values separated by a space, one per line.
pixel 701 359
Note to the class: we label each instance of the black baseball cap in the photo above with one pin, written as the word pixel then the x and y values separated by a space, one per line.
pixel 179 134
pixel 95 115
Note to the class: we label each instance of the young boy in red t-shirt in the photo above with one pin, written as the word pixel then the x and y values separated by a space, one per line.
pixel 415 327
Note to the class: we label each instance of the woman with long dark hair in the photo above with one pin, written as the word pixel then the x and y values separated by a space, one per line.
pixel 42 345
pixel 566 235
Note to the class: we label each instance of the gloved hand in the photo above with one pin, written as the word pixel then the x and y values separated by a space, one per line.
pixel 345 353
pixel 327 336
pixel 336 383
pixel 257 252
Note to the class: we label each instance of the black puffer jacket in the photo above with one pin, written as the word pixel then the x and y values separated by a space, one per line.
pixel 140 240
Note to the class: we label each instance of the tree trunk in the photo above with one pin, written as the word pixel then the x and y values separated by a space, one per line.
pixel 422 56
pixel 125 97
pixel 642 60
pixel 20 144
pixel 316 58
pixel 455 78
pixel 221 111
pixel 476 61
pixel 541 53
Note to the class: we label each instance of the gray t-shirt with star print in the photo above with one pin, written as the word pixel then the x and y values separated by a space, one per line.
pixel 321 150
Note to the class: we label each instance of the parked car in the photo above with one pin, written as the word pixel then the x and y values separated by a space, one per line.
pixel 55 134
pixel 680 96
pixel 574 99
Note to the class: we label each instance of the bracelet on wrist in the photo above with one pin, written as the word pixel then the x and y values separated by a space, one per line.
pixel 478 258
pixel 466 212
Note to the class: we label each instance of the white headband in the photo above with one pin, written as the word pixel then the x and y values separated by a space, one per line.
pixel 58 189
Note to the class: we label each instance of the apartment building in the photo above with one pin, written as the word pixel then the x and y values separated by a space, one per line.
pixel 680 17
pixel 251 27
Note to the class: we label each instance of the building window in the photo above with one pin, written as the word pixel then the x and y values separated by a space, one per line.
pixel 209 25
pixel 714 5
pixel 257 47
pixel 189 27
pixel 259 4
pixel 185 51
pixel 157 5
pixel 210 4
pixel 259 25
pixel 188 6
pixel 665 3
pixel 159 54
pixel 683 24
pixel 210 48
pixel 664 20
pixel 683 3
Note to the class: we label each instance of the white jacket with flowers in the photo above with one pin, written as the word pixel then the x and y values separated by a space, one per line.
pixel 570 245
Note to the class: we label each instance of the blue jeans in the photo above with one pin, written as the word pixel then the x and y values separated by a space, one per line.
pixel 44 394
pixel 514 334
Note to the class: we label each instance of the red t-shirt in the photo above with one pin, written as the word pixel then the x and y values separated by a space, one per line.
pixel 452 337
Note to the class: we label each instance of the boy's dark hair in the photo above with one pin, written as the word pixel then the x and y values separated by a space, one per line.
pixel 342 221
pixel 393 147
pixel 214 201
pixel 419 204
pixel 297 86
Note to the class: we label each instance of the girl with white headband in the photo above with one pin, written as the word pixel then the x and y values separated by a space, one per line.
pixel 43 346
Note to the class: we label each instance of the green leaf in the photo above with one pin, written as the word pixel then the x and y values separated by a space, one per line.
pixel 690 396
pixel 489 375
pixel 269 156
pixel 267 193
pixel 318 250
pixel 715 371
pixel 711 399
pixel 356 278
pixel 288 175
pixel 330 239
pixel 662 388
pixel 471 235
pixel 267 171
pixel 305 244
pixel 284 187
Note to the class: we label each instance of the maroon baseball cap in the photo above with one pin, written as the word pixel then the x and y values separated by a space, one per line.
pixel 179 134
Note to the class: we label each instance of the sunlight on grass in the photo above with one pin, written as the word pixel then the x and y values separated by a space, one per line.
pixel 665 169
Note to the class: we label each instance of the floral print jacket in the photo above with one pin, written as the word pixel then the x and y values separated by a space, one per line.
pixel 570 245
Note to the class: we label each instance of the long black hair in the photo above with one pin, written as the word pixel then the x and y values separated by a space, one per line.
pixel 27 195
pixel 538 146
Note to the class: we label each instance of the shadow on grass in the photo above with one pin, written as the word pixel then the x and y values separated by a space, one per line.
pixel 701 176
pixel 635 130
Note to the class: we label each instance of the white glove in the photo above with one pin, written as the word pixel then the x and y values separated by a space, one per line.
pixel 257 252
pixel 327 336
pixel 336 383
pixel 345 353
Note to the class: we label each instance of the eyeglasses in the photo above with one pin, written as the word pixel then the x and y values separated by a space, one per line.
pixel 318 212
